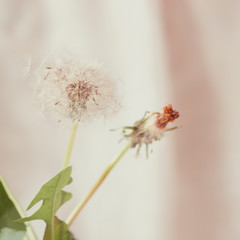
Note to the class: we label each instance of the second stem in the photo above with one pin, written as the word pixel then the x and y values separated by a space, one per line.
pixel 80 206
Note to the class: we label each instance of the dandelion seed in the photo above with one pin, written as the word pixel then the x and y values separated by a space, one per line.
pixel 71 89
pixel 150 128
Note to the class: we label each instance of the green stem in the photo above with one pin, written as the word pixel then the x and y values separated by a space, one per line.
pixel 30 232
pixel 80 206
pixel 70 146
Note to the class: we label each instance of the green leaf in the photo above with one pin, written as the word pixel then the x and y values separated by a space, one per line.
pixel 8 215
pixel 11 234
pixel 53 198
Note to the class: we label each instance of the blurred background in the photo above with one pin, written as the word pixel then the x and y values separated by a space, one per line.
pixel 185 53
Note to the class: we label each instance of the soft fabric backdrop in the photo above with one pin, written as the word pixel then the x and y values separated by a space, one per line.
pixel 180 52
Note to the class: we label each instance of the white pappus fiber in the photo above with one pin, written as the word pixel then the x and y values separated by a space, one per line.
pixel 76 90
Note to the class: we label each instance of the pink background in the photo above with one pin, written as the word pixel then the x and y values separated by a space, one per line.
pixel 171 51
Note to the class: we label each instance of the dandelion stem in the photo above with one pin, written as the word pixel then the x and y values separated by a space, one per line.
pixel 105 173
pixel 30 232
pixel 70 146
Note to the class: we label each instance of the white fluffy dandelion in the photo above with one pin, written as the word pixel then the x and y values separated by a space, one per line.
pixel 75 90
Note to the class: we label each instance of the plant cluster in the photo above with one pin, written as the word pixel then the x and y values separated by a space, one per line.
pixel 74 91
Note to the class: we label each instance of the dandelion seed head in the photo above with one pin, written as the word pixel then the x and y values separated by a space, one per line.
pixel 151 127
pixel 71 89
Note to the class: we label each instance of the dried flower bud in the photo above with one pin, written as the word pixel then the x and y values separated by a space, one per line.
pixel 151 127
pixel 75 90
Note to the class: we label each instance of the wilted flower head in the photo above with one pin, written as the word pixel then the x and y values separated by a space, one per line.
pixel 151 127
pixel 76 90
